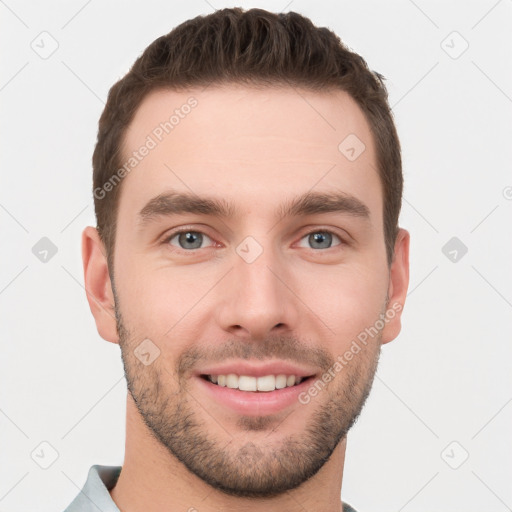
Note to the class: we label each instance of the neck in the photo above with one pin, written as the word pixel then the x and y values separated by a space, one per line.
pixel 153 480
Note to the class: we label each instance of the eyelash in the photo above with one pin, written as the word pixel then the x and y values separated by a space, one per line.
pixel 168 238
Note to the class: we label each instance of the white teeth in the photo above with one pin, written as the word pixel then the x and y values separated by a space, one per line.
pixel 267 383
pixel 250 383
pixel 246 383
pixel 232 380
pixel 280 381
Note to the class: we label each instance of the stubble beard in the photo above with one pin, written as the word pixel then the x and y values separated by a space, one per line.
pixel 251 469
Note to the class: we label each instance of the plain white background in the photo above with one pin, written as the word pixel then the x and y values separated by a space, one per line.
pixel 443 391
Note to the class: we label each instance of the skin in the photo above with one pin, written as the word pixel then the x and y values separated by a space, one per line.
pixel 297 301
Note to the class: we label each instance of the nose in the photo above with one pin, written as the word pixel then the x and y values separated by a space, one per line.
pixel 257 298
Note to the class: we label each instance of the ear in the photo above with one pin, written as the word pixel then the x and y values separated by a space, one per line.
pixel 98 286
pixel 398 284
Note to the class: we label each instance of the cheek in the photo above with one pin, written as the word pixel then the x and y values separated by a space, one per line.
pixel 159 302
pixel 346 300
pixel 334 300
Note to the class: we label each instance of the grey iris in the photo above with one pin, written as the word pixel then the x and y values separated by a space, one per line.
pixel 192 237
pixel 324 239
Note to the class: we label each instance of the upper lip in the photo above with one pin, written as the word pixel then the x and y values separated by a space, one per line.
pixel 257 370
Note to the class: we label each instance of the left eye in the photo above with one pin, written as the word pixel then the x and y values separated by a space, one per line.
pixel 189 239
pixel 321 239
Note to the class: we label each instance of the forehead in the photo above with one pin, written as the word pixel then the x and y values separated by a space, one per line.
pixel 245 143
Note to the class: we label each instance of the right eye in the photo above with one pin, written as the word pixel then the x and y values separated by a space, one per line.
pixel 187 239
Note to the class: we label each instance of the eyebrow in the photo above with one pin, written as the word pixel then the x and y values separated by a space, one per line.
pixel 310 203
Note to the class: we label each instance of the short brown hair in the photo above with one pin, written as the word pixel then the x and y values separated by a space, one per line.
pixel 253 47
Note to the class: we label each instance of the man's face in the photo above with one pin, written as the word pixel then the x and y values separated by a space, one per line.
pixel 254 287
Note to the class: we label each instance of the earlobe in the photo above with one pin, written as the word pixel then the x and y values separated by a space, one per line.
pixel 398 285
pixel 98 285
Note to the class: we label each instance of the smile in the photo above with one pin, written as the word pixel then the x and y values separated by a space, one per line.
pixel 264 383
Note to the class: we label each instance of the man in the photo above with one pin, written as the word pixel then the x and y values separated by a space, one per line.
pixel 248 261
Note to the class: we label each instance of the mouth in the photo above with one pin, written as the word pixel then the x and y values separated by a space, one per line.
pixel 240 393
pixel 253 384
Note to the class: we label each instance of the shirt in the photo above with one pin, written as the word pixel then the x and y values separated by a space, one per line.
pixel 94 495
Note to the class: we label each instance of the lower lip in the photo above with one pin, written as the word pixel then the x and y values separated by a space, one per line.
pixel 254 403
